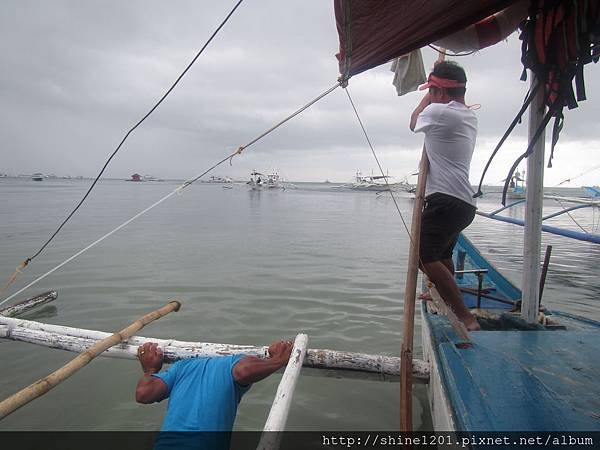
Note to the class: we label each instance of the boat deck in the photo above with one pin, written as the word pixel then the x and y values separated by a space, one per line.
pixel 520 380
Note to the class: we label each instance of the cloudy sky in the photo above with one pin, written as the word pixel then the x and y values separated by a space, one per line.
pixel 76 75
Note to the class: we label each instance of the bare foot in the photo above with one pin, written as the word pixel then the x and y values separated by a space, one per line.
pixel 472 325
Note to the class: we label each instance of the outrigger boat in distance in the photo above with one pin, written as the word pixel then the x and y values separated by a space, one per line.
pixel 137 178
pixel 260 181
pixel 594 191
pixel 152 178
pixel 378 183
pixel 516 187
pixel 218 179
pixel 370 182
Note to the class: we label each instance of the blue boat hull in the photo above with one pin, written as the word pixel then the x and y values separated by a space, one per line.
pixel 512 379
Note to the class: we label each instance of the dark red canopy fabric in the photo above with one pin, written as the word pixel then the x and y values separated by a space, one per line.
pixel 373 32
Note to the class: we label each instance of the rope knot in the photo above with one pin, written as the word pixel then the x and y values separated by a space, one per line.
pixel 237 152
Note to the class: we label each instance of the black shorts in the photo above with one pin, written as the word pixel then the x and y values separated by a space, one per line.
pixel 444 217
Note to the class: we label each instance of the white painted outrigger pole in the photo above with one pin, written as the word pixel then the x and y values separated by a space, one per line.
pixel 271 436
pixel 320 361
pixel 532 242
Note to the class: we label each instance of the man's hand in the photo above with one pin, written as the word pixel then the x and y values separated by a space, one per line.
pixel 150 389
pixel 425 102
pixel 281 350
pixel 151 357
pixel 252 368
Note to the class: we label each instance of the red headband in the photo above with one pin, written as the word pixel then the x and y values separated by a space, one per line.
pixel 440 83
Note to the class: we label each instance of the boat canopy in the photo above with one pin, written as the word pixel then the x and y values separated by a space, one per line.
pixel 373 32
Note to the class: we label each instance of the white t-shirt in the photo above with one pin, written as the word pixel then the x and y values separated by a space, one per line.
pixel 450 133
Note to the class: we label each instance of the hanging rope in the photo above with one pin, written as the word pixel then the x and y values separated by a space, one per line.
pixel 379 165
pixel 528 99
pixel 29 259
pixel 176 191
pixel 445 53
pixel 570 216
pixel 568 180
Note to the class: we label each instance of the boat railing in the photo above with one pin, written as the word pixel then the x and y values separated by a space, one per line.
pixel 479 273
pixel 578 235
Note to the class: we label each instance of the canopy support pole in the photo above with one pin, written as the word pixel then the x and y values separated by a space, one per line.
pixel 532 242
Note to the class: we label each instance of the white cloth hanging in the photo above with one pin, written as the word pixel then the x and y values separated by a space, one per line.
pixel 409 72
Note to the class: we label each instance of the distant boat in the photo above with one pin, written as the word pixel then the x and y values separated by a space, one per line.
pixel 369 182
pixel 274 181
pixel 516 187
pixel 594 191
pixel 218 179
pixel 260 181
pixel 256 181
pixel 378 184
pixel 407 186
pixel 151 178
pixel 37 177
pixel 136 177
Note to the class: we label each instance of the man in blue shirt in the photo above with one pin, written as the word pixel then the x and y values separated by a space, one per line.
pixel 203 392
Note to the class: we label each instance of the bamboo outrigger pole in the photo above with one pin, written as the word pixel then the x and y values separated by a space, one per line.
pixel 410 293
pixel 43 385
pixel 29 304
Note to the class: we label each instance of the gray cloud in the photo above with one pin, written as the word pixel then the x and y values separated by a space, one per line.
pixel 77 75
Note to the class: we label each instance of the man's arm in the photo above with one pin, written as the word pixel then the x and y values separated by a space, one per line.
pixel 150 389
pixel 425 101
pixel 252 368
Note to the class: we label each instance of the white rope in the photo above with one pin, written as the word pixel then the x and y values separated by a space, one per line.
pixel 180 188
pixel 97 241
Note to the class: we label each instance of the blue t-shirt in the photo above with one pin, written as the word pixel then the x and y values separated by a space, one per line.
pixel 203 395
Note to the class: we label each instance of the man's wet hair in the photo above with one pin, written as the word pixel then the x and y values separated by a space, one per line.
pixel 451 71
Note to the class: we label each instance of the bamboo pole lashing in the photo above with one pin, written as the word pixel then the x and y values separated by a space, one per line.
pixel 42 386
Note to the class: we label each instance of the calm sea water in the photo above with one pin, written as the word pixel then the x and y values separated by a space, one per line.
pixel 251 267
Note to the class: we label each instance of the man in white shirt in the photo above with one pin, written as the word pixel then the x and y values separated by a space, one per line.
pixel 450 129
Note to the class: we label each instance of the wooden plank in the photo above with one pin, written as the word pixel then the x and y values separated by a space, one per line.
pixel 280 409
pixel 326 362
